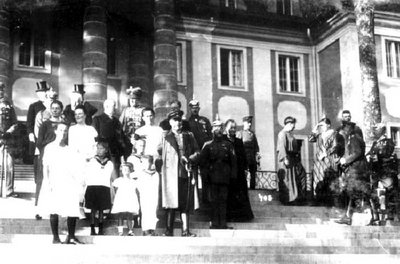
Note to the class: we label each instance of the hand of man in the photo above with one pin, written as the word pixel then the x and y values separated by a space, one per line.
pixel 31 137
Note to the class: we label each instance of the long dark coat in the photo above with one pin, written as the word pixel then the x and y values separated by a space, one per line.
pixel 172 167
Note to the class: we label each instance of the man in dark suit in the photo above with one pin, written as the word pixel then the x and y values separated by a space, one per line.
pixel 77 98
pixel 33 110
pixel 109 128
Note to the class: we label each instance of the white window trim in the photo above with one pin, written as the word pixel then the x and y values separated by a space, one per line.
pixel 184 63
pixel 17 66
pixel 283 10
pixel 384 62
pixel 302 82
pixel 389 135
pixel 234 3
pixel 243 88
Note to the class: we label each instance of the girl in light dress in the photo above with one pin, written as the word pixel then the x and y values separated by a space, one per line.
pixel 126 202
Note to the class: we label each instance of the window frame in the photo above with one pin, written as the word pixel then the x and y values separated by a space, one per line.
pixel 244 87
pixel 384 57
pixel 183 44
pixel 235 4
pixel 389 125
pixel 47 55
pixel 301 73
pixel 283 8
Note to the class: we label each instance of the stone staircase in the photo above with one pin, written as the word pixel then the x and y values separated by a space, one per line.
pixel 278 234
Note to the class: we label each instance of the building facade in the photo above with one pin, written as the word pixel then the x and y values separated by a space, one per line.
pixel 237 57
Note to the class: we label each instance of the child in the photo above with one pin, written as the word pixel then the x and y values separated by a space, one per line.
pixel 100 171
pixel 148 182
pixel 126 203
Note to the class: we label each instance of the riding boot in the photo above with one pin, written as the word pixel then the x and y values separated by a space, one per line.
pixel 170 223
pixel 101 229
pixel 54 228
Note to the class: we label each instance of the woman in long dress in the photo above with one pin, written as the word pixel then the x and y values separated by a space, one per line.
pixel 239 208
pixel 61 185
pixel 291 173
pixel 330 146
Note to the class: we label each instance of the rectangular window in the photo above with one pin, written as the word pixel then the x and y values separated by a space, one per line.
pixel 392 49
pixel 32 49
pixel 181 62
pixel 288 69
pixel 284 7
pixel 230 4
pixel 231 67
pixel 395 135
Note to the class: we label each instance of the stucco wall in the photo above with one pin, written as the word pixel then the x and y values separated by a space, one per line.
pixel 330 82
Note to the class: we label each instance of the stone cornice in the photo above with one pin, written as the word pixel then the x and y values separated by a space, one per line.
pixel 243 31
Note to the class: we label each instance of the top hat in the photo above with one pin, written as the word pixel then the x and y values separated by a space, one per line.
pixel 42 86
pixel 79 88
pixel 134 92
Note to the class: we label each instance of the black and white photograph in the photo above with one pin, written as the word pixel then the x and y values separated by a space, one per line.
pixel 199 131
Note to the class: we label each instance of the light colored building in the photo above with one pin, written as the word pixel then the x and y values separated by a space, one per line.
pixel 237 57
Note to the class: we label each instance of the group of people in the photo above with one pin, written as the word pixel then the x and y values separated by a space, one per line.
pixel 133 167
pixel 343 173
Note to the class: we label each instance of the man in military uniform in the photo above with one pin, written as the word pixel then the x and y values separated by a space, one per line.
pixel 251 148
pixel 131 117
pixel 200 126
pixel 218 164
pixel 383 165
pixel 77 98
pixel 346 118
pixel 8 123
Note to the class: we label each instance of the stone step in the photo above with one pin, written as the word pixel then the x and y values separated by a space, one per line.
pixel 23 172
pixel 209 245
pixel 95 254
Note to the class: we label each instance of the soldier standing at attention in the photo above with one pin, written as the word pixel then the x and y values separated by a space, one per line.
pixel 251 148
pixel 131 116
pixel 200 126
pixel 77 98
pixel 218 164
pixel 8 123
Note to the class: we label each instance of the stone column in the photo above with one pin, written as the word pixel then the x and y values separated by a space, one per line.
pixel 95 52
pixel 364 13
pixel 139 71
pixel 165 83
pixel 5 47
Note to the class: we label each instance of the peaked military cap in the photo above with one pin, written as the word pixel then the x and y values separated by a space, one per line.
pixel 194 103
pixel 289 119
pixel 42 86
pixel 175 113
pixel 248 119
pixel 79 88
pixel 134 92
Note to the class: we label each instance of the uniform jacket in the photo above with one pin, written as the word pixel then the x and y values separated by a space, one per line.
pixel 355 155
pixel 33 109
pixel 172 167
pixel 218 161
pixel 250 144
pixel 200 126
pixel 7 115
pixel 70 114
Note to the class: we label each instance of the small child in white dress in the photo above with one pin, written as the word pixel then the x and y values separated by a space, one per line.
pixel 126 201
